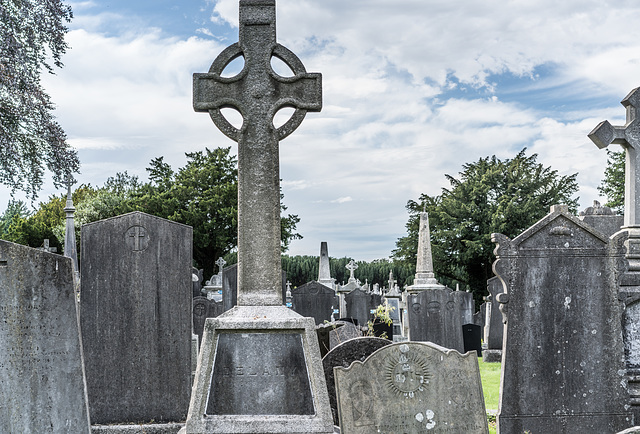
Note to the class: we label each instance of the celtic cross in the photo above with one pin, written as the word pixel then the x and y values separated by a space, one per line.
pixel 257 92
pixel 352 266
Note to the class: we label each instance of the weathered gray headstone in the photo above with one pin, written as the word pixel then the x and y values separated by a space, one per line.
pixel 495 324
pixel 409 388
pixel 360 304
pixel 136 318
pixel 204 308
pixel 347 331
pixel 259 364
pixel 466 306
pixel 344 355
pixel 602 218
pixel 562 356
pixel 314 300
pixel 42 387
pixel 435 316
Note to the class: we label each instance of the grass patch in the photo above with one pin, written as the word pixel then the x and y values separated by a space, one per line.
pixel 490 375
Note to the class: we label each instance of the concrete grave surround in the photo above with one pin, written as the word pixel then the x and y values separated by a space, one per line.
pixel 259 368
pixel 344 355
pixel 562 369
pixel 411 387
pixel 42 385
pixel 314 300
pixel 136 318
pixel 435 316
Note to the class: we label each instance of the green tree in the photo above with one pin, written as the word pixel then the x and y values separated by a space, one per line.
pixel 31 33
pixel 612 186
pixel 490 195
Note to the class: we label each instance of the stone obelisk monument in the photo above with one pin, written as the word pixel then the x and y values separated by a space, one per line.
pixel 259 368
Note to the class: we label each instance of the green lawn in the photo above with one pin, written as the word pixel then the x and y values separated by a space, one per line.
pixel 490 374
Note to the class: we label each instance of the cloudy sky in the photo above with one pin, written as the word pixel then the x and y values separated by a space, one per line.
pixel 412 89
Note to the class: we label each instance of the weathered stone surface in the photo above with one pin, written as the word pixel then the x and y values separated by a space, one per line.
pixel 344 355
pixel 360 304
pixel 256 374
pixel 494 324
pixel 346 331
pixel 635 429
pixel 466 306
pixel 165 428
pixel 42 387
pixel 424 278
pixel 411 388
pixel 314 300
pixel 492 356
pixel 562 364
pixel 204 308
pixel 434 316
pixel 324 270
pixel 136 318
pixel 602 218
pixel 230 287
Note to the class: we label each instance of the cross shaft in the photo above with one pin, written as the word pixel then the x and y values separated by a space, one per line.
pixel 257 92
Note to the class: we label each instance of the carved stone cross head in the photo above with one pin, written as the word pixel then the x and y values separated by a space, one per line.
pixel 352 266
pixel 627 135
pixel 257 92
pixel 221 263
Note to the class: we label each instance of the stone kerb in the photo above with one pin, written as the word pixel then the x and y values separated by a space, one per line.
pixel 413 387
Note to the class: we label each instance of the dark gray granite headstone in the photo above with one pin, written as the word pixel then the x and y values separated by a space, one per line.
pixel 434 316
pixel 360 304
pixel 562 367
pixel 314 300
pixel 204 308
pixel 411 388
pixel 495 322
pixel 466 306
pixel 472 335
pixel 136 308
pixel 230 287
pixel 42 388
pixel 480 315
pixel 339 335
pixel 344 355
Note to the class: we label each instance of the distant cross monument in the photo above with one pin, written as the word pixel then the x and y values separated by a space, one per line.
pixel 352 266
pixel 259 368
pixel 628 136
pixel 220 263
pixel 424 278
pixel 257 92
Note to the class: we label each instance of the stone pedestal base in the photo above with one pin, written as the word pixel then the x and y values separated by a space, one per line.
pixel 151 428
pixel 259 371
pixel 492 356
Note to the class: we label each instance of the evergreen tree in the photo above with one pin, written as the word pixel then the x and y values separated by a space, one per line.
pixel 489 196
pixel 612 186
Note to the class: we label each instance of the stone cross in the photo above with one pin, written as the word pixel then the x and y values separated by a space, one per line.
pixel 46 247
pixel 257 92
pixel 137 233
pixel 221 263
pixel 352 266
pixel 392 281
pixel 628 136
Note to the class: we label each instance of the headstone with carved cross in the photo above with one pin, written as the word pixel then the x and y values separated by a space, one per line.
pixel 136 315
pixel 259 367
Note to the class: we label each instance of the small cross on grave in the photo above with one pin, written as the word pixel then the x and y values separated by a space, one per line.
pixel 221 263
pixel 352 266
pixel 138 236
pixel 257 92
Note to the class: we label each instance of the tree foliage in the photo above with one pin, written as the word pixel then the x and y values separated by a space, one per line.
pixel 31 31
pixel 612 186
pixel 203 194
pixel 489 196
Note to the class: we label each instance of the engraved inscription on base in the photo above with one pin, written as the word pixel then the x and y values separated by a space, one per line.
pixel 260 374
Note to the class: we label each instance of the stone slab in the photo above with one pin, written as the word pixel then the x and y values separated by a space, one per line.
pixel 344 355
pixel 164 428
pixel 359 305
pixel 314 300
pixel 136 318
pixel 42 385
pixel 230 287
pixel 204 308
pixel 339 335
pixel 492 356
pixel 413 387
